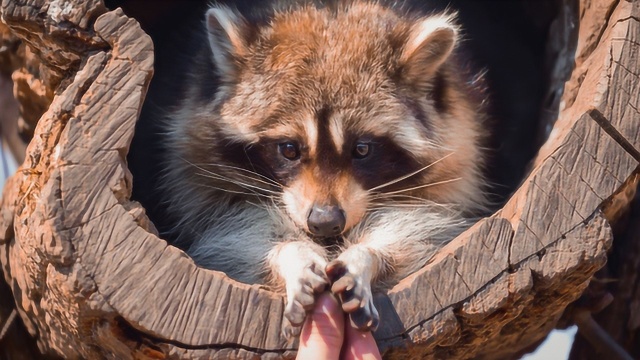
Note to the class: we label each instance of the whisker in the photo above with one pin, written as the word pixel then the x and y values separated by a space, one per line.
pixel 266 179
pixel 248 177
pixel 200 167
pixel 404 177
pixel 234 191
pixel 423 186
pixel 250 187
pixel 376 206
pixel 421 202
pixel 270 183
pixel 211 175
pixel 392 197
pixel 409 201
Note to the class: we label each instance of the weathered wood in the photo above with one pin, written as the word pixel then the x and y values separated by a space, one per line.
pixel 515 307
pixel 620 277
pixel 92 279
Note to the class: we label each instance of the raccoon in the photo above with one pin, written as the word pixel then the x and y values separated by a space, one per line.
pixel 325 145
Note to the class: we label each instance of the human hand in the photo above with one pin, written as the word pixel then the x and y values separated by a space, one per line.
pixel 326 335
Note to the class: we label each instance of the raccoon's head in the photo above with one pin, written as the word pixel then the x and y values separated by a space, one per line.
pixel 347 108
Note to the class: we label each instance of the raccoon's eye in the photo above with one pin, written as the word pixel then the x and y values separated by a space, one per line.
pixel 361 150
pixel 289 150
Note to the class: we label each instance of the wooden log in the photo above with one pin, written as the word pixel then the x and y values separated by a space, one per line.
pixel 91 278
pixel 618 280
pixel 621 319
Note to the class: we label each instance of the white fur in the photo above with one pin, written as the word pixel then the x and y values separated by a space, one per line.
pixel 293 261
pixel 401 239
pixel 311 130
pixel 434 28
pixel 337 133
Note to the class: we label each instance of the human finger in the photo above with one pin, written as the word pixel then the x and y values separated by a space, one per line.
pixel 359 345
pixel 323 331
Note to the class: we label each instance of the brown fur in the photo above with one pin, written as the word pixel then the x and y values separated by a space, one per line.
pixel 327 78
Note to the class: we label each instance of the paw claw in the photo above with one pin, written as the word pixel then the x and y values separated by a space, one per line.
pixel 335 270
pixel 354 294
pixel 365 319
pixel 290 331
pixel 301 298
pixel 295 313
pixel 345 283
pixel 351 305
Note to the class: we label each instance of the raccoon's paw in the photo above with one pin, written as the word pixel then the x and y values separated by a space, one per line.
pixel 289 331
pixel 301 298
pixel 355 295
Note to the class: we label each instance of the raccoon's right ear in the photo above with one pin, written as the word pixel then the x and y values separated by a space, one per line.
pixel 428 46
pixel 226 28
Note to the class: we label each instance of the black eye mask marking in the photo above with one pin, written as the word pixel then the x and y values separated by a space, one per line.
pixel 385 161
pixel 266 158
pixel 372 161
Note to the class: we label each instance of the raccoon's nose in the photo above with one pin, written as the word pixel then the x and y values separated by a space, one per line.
pixel 326 220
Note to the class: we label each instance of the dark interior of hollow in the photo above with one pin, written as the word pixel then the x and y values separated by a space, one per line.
pixel 509 39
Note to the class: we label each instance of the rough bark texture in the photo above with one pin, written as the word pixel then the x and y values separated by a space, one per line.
pixel 620 277
pixel 91 278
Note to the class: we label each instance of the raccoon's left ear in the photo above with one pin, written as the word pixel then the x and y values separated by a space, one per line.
pixel 226 28
pixel 428 46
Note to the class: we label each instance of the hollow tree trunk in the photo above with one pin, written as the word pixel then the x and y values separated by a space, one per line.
pixel 91 278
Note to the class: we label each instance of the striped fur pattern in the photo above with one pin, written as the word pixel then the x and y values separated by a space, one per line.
pixel 349 104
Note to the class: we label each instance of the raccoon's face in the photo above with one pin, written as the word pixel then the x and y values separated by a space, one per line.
pixel 329 163
pixel 342 108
